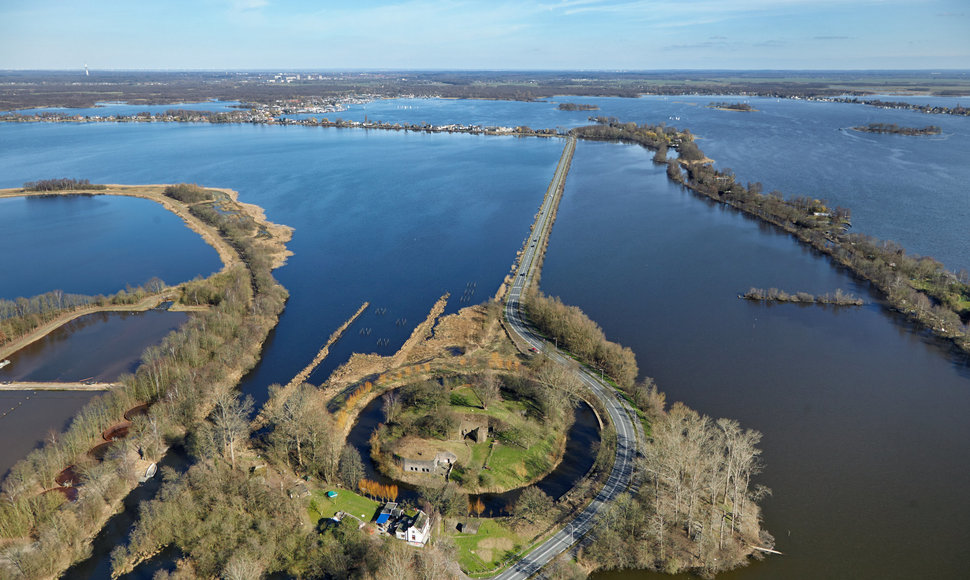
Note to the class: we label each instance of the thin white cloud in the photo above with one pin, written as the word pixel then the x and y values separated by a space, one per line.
pixel 248 5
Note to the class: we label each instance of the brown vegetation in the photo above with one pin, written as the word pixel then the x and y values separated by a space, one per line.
pixel 191 373
pixel 696 508
pixel 919 287
pixel 576 333
pixel 838 298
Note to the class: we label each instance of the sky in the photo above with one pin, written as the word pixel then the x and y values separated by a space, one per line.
pixel 495 34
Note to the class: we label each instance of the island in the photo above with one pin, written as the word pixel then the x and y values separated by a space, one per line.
pixel 838 298
pixel 894 129
pixel 743 107
pixel 577 107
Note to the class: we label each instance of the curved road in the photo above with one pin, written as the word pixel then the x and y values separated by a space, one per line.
pixel 627 429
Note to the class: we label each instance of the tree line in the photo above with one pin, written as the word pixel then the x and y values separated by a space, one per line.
pixel 20 316
pixel 919 287
pixel 187 380
pixel 581 336
pixel 696 508
pixel 61 184
pixel 838 298
pixel 895 129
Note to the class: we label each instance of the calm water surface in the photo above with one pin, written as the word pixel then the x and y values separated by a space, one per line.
pixel 392 218
pixel 909 189
pixel 93 244
pixel 27 418
pixel 863 418
pixel 97 347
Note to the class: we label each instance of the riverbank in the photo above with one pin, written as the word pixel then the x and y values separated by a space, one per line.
pixel 43 330
pixel 181 383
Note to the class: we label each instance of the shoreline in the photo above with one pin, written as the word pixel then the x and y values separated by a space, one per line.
pixel 257 305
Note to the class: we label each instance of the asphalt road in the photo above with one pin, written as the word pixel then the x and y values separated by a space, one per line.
pixel 621 476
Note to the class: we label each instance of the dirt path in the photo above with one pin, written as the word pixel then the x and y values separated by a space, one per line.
pixel 280 235
pixel 45 329
pixel 49 386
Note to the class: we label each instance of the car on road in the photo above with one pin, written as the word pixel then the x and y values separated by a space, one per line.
pixel 533 349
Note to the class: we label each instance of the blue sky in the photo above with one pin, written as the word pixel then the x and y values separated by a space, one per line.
pixel 498 34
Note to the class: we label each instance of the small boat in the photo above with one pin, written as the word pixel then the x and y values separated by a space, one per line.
pixel 4 363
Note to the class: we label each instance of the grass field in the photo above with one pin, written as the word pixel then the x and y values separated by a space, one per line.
pixel 515 460
pixel 485 551
pixel 322 506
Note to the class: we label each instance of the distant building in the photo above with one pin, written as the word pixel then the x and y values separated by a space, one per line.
pixel 442 461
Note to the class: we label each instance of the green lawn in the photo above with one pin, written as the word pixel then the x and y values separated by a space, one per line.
pixel 486 550
pixel 322 506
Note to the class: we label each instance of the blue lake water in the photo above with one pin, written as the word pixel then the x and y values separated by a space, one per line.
pixel 863 417
pixel 396 219
pixel 118 108
pixel 908 189
pixel 95 245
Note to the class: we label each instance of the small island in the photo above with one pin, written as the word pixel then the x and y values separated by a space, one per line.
pixel 743 107
pixel 839 298
pixel 485 432
pixel 895 129
pixel 577 107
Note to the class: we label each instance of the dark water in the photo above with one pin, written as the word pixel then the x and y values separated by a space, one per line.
pixel 909 189
pixel 92 245
pixel 392 218
pixel 577 458
pixel 97 347
pixel 28 417
pixel 864 419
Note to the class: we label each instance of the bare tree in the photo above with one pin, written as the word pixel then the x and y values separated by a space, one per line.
pixel 391 404
pixel 487 388
pixel 231 420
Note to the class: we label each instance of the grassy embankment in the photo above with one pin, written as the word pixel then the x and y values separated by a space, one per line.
pixel 181 381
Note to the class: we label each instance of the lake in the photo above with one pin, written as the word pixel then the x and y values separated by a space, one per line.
pixel 94 244
pixel 98 347
pixel 396 219
pixel 908 189
pixel 863 417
